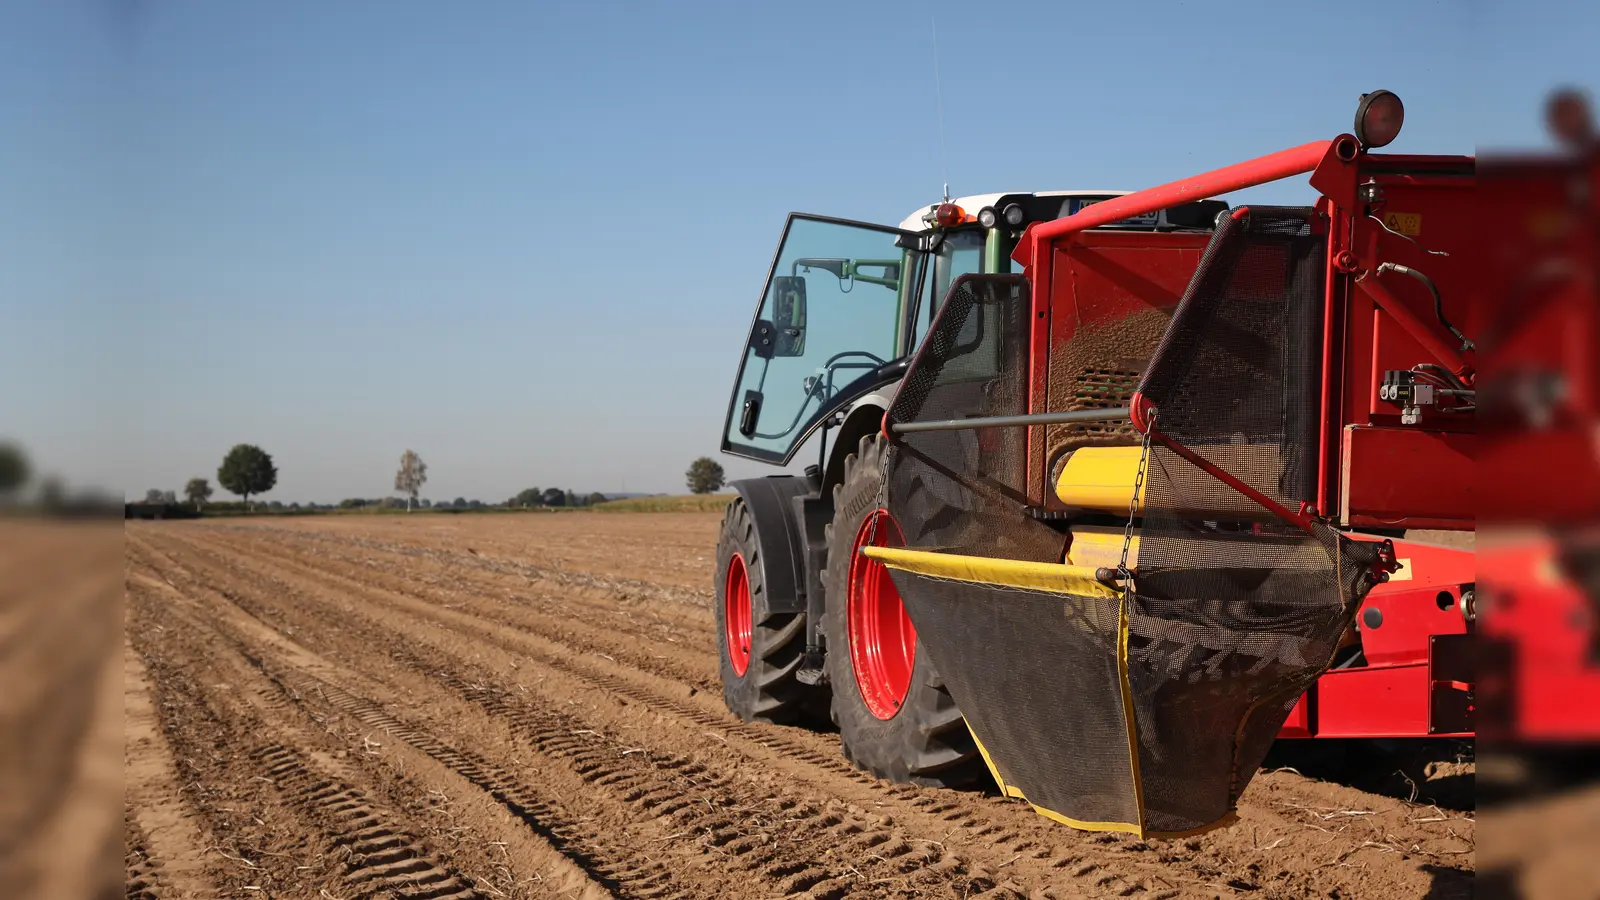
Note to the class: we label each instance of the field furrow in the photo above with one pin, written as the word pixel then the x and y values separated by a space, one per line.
pixel 530 707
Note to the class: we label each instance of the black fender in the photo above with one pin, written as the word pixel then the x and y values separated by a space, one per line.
pixel 779 536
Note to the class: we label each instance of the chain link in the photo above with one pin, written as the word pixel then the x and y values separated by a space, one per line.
pixel 883 493
pixel 1133 505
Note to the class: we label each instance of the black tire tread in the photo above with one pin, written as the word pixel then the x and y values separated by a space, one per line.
pixel 768 691
pixel 929 743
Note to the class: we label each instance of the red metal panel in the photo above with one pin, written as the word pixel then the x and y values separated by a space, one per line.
pixel 1103 279
pixel 1298 725
pixel 1373 702
pixel 1041 279
pixel 1400 475
pixel 1408 619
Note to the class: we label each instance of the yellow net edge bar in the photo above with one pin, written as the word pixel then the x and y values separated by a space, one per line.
pixel 1057 578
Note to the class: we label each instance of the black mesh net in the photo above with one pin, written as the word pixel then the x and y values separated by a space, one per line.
pixel 1235 612
pixel 966 491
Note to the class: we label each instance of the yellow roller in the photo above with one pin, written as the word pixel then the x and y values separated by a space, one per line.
pixel 1099 478
pixel 1097 546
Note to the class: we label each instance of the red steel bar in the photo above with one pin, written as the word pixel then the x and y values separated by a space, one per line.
pixel 1299 519
pixel 1414 325
pixel 1294 161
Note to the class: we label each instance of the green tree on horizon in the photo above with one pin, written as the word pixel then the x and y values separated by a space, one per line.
pixel 246 470
pixel 705 476
pixel 198 490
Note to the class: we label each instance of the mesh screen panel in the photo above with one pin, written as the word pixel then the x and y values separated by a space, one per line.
pixel 965 491
pixel 1232 620
pixel 1035 674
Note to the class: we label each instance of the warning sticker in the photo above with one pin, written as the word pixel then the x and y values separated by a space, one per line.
pixel 1408 224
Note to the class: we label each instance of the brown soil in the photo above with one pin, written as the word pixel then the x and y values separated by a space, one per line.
pixel 527 706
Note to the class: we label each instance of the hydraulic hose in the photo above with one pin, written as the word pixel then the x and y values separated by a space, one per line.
pixel 1438 302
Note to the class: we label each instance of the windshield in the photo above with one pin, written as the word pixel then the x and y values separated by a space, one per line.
pixel 831 314
pixel 960 253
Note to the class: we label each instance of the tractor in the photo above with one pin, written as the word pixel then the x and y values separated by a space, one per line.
pixel 1095 467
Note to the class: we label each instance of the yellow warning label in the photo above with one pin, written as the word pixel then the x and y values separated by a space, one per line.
pixel 1404 574
pixel 1408 224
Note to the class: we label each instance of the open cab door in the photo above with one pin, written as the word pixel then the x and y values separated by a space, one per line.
pixel 832 317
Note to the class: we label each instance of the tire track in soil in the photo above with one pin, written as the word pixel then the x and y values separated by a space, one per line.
pixel 939 812
pixel 693 604
pixel 163 846
pixel 322 816
pixel 658 796
pixel 604 866
pixel 1237 862
pixel 549 619
pixel 824 759
pixel 378 853
pixel 656 789
pixel 141 878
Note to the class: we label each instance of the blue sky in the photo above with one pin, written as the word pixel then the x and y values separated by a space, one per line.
pixel 526 239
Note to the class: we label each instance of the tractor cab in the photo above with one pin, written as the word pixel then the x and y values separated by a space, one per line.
pixel 845 304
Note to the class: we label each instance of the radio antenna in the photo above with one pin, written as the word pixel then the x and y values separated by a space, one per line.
pixel 938 95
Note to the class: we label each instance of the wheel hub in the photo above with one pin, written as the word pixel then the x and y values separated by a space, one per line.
pixel 736 624
pixel 883 642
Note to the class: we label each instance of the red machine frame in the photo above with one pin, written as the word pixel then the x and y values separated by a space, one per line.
pixel 1373 471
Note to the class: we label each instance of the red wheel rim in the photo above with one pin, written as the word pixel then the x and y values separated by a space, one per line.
pixel 736 614
pixel 883 642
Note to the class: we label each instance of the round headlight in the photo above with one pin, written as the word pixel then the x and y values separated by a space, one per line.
pixel 1013 214
pixel 1378 118
pixel 987 217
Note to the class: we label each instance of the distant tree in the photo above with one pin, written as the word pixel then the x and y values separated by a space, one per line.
pixel 572 499
pixel 528 497
pixel 595 498
pixel 705 476
pixel 246 470
pixel 554 497
pixel 412 476
pixel 153 495
pixel 198 491
pixel 294 506
pixel 459 502
pixel 391 503
pixel 352 503
pixel 275 505
pixel 474 504
pixel 14 469
pixel 424 503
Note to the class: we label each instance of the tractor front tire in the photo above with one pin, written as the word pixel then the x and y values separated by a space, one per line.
pixel 760 650
pixel 919 737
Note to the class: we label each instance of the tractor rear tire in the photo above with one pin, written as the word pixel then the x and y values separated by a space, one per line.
pixel 924 740
pixel 760 651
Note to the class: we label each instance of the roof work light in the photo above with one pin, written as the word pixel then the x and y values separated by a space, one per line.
pixel 1378 118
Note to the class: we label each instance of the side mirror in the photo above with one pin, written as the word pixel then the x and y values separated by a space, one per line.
pixel 789 315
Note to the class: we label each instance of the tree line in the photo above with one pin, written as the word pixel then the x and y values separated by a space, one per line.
pixel 249 471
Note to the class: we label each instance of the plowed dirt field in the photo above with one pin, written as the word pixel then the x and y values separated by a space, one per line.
pixel 527 706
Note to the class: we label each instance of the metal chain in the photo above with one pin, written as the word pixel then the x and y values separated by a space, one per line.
pixel 883 493
pixel 1133 504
